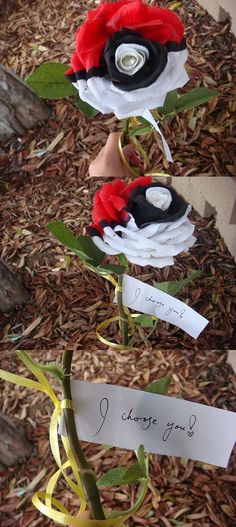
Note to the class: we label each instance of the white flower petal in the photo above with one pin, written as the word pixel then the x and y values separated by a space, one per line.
pixel 101 93
pixel 175 224
pixel 155 262
pixel 130 58
pixel 106 248
pixel 138 242
pixel 118 243
pixel 155 244
pixel 159 197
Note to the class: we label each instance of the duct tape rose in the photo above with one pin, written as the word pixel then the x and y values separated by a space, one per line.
pixel 128 57
pixel 145 220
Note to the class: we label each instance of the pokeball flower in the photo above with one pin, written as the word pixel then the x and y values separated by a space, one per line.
pixel 145 220
pixel 128 57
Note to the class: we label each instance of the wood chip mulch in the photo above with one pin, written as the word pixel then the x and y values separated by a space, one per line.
pixel 202 140
pixel 68 301
pixel 181 492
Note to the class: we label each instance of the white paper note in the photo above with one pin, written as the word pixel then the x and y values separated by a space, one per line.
pixel 126 418
pixel 148 299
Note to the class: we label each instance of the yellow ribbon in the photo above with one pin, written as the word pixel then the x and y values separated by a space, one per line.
pixel 116 318
pixel 123 158
pixel 106 323
pixel 44 501
pixel 134 171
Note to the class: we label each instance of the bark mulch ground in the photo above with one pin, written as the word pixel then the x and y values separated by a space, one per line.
pixel 41 184
pixel 181 492
pixel 202 140
pixel 45 177
pixel 69 301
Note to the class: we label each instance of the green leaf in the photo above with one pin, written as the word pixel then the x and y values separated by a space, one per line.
pixel 49 81
pixel 114 268
pixel 140 131
pixel 160 387
pixel 123 261
pixel 140 454
pixel 122 475
pixel 106 269
pixel 85 108
pixel 51 367
pixel 194 98
pixel 143 121
pixel 191 99
pixel 170 102
pixel 82 246
pixel 145 321
pixel 134 474
pixel 113 477
pixel 173 287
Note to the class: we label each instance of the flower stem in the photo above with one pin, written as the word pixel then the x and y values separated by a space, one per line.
pixel 124 324
pixel 126 131
pixel 86 472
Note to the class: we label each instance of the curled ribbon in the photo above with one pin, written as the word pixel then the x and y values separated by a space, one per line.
pixel 131 169
pixel 116 318
pixel 44 501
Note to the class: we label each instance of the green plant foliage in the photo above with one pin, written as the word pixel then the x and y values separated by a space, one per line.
pixel 82 246
pixel 52 367
pixel 106 269
pixel 123 475
pixel 137 131
pixel 143 461
pixel 170 102
pixel 143 121
pixel 191 99
pixel 123 261
pixel 49 81
pixel 160 387
pixel 113 477
pixel 85 108
pixel 145 321
pixel 172 288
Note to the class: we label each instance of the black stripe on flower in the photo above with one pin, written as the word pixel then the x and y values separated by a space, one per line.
pixel 96 229
pixel 150 71
pixel 145 213
pixel 175 46
pixel 147 75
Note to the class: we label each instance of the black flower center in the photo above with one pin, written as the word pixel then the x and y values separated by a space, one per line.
pixel 153 66
pixel 145 213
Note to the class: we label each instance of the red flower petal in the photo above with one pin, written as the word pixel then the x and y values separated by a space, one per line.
pixel 118 202
pixel 128 17
pixel 99 211
pixel 76 63
pixel 162 25
pixel 153 23
pixel 90 42
pixel 94 33
pixel 108 203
